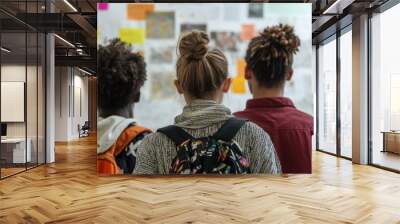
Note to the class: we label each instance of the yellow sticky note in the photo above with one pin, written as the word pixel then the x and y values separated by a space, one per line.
pixel 98 33
pixel 132 35
pixel 239 82
pixel 239 85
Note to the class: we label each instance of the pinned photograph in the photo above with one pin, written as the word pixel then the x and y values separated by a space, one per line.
pixel 226 41
pixel 162 85
pixel 187 27
pixel 256 10
pixel 162 55
pixel 160 25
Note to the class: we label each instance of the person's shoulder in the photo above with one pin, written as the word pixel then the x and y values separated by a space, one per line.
pixel 154 136
pixel 303 117
pixel 241 114
pixel 252 130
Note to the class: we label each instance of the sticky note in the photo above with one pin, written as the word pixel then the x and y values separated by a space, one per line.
pixel 247 32
pixel 102 6
pixel 139 11
pixel 238 85
pixel 240 67
pixel 98 33
pixel 239 82
pixel 132 35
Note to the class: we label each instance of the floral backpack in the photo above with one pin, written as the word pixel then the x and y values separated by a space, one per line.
pixel 216 154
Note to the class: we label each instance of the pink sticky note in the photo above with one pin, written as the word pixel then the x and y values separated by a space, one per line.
pixel 102 6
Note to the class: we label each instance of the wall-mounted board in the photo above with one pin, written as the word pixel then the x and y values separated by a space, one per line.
pixel 12 101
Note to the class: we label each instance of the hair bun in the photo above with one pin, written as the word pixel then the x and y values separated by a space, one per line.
pixel 194 45
pixel 282 35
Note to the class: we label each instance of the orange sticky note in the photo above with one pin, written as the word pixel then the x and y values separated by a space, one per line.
pixel 239 82
pixel 139 11
pixel 248 31
pixel 240 67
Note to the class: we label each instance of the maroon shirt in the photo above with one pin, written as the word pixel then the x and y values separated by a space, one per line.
pixel 290 130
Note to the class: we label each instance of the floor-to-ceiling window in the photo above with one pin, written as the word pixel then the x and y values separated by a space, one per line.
pixel 327 96
pixel 385 89
pixel 334 100
pixel 22 88
pixel 346 93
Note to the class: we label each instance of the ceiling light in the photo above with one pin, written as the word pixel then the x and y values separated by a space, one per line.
pixel 337 7
pixel 5 50
pixel 65 41
pixel 70 5
pixel 86 72
pixel 331 8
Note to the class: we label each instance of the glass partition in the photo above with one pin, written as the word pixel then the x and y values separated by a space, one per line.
pixel 41 96
pixel 22 89
pixel 31 99
pixel 14 145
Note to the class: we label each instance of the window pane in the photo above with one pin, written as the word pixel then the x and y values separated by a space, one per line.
pixel 327 97
pixel 31 97
pixel 346 93
pixel 386 89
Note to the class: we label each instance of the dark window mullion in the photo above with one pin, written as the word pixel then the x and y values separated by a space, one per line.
pixel 369 83
pixel 37 90
pixel 317 97
pixel 26 86
pixel 338 92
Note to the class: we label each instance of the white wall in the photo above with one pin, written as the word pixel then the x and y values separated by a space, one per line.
pixel 69 82
pixel 61 103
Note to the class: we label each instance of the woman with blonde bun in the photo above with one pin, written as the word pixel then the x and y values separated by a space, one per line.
pixel 202 78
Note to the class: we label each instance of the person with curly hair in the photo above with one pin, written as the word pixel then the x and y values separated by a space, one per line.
pixel 120 75
pixel 269 60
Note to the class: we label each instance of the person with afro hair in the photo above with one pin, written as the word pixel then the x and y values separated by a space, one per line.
pixel 120 75
pixel 269 60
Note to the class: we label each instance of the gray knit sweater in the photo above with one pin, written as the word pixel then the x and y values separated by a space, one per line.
pixel 203 118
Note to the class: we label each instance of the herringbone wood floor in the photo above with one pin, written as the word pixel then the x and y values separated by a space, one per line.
pixel 69 191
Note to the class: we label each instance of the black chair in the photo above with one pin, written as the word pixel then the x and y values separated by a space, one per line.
pixel 84 130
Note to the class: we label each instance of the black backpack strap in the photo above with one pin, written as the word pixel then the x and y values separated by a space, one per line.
pixel 229 129
pixel 175 133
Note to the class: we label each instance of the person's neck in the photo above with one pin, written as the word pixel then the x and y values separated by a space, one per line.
pixel 126 112
pixel 215 98
pixel 262 92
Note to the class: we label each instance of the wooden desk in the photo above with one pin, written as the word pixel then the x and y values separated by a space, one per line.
pixel 391 141
pixel 13 150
